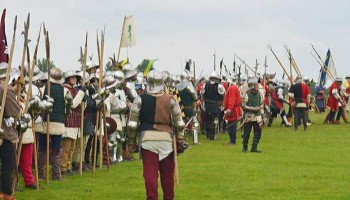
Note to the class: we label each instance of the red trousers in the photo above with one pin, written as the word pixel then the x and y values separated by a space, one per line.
pixel 151 166
pixel 25 163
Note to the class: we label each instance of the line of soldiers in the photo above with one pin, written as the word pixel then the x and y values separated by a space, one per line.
pixel 131 111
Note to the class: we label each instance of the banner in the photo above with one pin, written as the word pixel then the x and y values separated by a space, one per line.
pixel 329 66
pixel 128 34
pixel 3 41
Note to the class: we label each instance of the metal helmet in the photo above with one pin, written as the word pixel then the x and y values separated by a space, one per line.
pixel 339 79
pixel 14 75
pixel 118 75
pixel 56 74
pixel 166 77
pixel 184 75
pixel 252 81
pixel 129 71
pixel 214 75
pixel 155 82
pixel 3 68
pixel 37 74
pixel 139 78
pixel 110 82
pixel 71 73
pixel 306 78
pixel 91 64
pixel 298 79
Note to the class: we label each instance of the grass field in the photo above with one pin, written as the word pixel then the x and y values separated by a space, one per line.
pixel 294 165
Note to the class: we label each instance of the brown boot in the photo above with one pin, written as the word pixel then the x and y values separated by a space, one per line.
pixel 41 164
pixel 9 197
pixel 55 163
pixel 337 122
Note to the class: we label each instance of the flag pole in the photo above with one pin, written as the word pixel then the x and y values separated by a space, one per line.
pixel 120 42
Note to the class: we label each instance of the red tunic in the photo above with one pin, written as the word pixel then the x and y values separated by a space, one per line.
pixel 73 119
pixel 199 86
pixel 266 98
pixel 232 101
pixel 279 104
pixel 332 102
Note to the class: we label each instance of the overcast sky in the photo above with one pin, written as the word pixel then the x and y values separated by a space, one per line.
pixel 173 31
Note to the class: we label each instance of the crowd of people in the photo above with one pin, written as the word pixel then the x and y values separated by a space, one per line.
pixel 127 112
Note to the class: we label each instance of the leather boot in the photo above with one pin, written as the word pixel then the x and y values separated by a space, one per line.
pixel 55 163
pixel 9 197
pixel 41 164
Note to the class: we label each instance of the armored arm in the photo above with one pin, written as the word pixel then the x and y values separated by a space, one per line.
pixel 190 89
pixel 177 119
pixel 134 118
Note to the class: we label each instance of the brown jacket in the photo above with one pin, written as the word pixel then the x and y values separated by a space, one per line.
pixel 12 109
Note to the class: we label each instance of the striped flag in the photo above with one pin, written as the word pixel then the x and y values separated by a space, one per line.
pixel 330 67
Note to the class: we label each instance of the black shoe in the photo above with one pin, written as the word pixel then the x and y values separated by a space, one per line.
pixel 255 151
pixel 244 150
pixel 32 186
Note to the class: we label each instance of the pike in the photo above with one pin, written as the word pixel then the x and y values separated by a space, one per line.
pixel 265 66
pixel 98 112
pixel 323 65
pixel 294 64
pixel 234 65
pixel 82 106
pixel 47 48
pixel 278 60
pixel 221 63
pixel 6 85
pixel 19 90
pixel 104 114
pixel 31 70
pixel 256 66
pixel 214 62
pixel 244 63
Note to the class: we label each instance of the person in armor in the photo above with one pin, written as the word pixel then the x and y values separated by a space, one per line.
pixel 26 156
pixel 56 126
pixel 252 105
pixel 277 101
pixel 212 93
pixel 299 95
pixel 8 136
pixel 91 67
pixel 188 97
pixel 115 108
pixel 152 114
pixel 121 121
pixel 233 112
pixel 130 77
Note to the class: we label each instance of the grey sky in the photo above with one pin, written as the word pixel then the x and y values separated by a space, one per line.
pixel 173 31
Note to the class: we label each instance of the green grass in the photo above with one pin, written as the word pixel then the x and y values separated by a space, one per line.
pixel 294 165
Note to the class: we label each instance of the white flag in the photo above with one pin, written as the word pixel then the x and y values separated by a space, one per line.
pixel 128 34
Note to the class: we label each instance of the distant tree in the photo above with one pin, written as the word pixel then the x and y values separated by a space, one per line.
pixel 42 64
